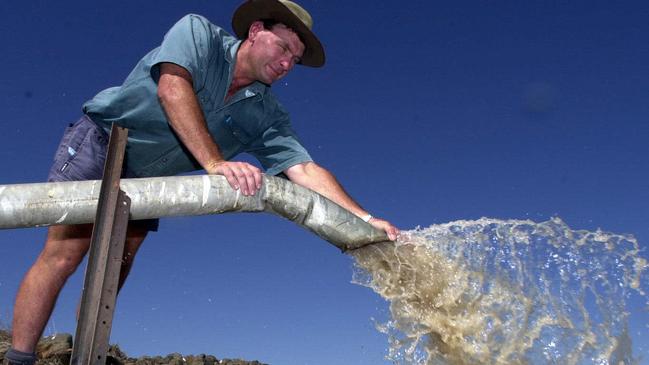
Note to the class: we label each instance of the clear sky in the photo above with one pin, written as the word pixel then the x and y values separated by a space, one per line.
pixel 426 112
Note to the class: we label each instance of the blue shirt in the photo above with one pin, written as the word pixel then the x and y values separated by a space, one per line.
pixel 252 120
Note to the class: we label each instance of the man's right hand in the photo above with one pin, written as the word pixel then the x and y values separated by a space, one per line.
pixel 241 175
pixel 392 231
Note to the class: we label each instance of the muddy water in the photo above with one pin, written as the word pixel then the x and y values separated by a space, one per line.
pixel 507 292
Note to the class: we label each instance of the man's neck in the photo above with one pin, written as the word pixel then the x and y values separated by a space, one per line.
pixel 241 77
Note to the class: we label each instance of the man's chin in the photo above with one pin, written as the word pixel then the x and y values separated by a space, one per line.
pixel 270 80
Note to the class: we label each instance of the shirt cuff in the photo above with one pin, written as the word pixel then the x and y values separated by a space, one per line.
pixel 277 169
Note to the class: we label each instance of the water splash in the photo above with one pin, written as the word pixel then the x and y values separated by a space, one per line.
pixel 507 292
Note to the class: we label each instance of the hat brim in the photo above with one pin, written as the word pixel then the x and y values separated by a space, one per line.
pixel 253 10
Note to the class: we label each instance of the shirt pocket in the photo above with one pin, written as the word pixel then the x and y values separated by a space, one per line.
pixel 246 118
pixel 245 130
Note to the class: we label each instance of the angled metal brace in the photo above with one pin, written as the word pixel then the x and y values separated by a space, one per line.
pixel 104 260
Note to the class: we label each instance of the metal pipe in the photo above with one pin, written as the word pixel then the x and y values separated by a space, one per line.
pixel 75 202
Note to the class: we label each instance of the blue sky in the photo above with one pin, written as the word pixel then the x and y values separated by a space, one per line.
pixel 426 112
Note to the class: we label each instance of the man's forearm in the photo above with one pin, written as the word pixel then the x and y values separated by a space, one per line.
pixel 314 177
pixel 176 95
pixel 318 179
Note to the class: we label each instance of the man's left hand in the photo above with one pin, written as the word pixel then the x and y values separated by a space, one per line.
pixel 392 231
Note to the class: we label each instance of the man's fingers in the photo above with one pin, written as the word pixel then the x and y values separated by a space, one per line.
pixel 258 178
pixel 240 175
pixel 230 174
pixel 386 226
pixel 232 180
pixel 241 181
pixel 393 233
pixel 251 173
pixel 243 176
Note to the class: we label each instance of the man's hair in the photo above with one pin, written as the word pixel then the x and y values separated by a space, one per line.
pixel 269 23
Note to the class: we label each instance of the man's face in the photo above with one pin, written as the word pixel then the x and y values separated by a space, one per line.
pixel 274 51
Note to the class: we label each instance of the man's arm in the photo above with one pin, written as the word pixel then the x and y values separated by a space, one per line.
pixel 176 95
pixel 318 179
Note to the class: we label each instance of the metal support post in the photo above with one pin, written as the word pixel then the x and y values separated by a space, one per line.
pixel 104 260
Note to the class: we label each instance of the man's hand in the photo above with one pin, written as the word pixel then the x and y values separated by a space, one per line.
pixel 392 231
pixel 240 175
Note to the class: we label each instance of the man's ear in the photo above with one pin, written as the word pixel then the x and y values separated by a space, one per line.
pixel 255 28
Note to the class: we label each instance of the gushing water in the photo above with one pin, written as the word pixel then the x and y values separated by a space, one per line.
pixel 507 292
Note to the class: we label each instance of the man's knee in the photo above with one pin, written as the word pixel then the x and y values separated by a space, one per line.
pixel 61 260
pixel 61 263
pixel 65 248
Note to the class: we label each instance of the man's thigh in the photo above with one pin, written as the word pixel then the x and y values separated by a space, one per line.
pixel 71 242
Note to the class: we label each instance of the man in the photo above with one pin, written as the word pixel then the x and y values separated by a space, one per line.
pixel 195 102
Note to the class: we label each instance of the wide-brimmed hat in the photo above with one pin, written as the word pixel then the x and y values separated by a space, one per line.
pixel 288 13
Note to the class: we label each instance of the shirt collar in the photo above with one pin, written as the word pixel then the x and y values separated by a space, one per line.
pixel 256 88
pixel 231 52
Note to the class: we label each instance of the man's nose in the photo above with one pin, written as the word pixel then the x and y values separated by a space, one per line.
pixel 286 65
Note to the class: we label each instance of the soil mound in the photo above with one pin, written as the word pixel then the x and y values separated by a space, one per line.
pixel 57 349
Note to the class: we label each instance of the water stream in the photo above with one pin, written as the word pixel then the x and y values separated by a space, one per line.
pixel 508 292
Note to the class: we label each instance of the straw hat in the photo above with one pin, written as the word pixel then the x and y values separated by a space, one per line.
pixel 288 13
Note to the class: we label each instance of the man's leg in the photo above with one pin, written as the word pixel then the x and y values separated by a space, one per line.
pixel 64 250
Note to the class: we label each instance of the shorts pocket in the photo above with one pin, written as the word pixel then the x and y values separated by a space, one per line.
pixel 81 153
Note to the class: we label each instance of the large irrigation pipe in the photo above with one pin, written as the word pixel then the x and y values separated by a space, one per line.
pixel 75 202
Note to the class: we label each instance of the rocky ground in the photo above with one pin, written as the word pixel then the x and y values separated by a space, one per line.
pixel 56 350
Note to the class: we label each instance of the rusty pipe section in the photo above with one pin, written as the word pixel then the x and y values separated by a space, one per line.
pixel 75 202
